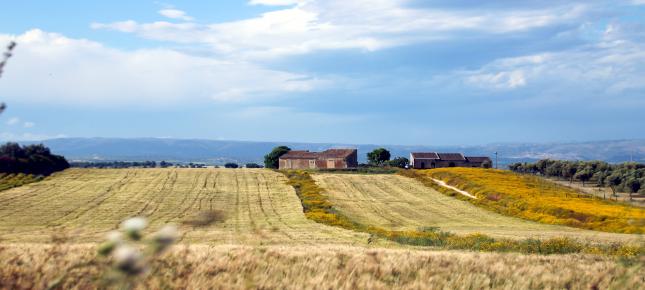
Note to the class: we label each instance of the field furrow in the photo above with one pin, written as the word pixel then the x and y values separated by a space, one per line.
pixel 259 207
pixel 400 203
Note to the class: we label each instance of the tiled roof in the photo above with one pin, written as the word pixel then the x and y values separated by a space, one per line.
pixel 428 155
pixel 299 154
pixel 337 153
pixel 330 153
pixel 451 156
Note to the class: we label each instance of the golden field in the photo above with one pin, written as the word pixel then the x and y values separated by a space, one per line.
pixel 260 208
pixel 317 267
pixel 269 238
pixel 536 199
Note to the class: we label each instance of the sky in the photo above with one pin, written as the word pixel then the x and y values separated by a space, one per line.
pixel 343 71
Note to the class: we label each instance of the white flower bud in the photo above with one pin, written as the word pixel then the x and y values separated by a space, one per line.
pixel 128 259
pixel 135 224
pixel 167 235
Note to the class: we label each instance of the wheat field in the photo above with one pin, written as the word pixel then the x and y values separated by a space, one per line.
pixel 402 203
pixel 259 207
pixel 321 267
pixel 49 234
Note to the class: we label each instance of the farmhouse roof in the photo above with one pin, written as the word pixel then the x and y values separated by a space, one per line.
pixel 337 153
pixel 451 156
pixel 330 153
pixel 477 158
pixel 425 155
pixel 299 154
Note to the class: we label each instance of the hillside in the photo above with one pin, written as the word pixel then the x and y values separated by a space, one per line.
pixel 401 203
pixel 219 151
pixel 537 199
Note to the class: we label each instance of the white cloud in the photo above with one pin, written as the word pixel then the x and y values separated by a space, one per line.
pixel 609 70
pixel 13 121
pixel 51 68
pixel 339 24
pixel 29 124
pixel 501 80
pixel 175 14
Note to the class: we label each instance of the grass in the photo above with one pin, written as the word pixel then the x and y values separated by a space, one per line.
pixel 260 238
pixel 400 203
pixel 536 199
pixel 323 267
pixel 319 208
pixel 8 181
pixel 257 206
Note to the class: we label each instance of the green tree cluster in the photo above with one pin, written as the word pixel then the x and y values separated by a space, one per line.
pixel 30 159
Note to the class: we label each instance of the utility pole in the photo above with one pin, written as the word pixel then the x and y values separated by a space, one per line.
pixel 495 159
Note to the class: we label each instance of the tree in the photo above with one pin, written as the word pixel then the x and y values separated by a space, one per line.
pixel 486 164
pixel 569 171
pixel 400 162
pixel 272 160
pixel 633 185
pixel 583 175
pixel 231 165
pixel 378 156
pixel 614 180
pixel 253 165
pixel 31 159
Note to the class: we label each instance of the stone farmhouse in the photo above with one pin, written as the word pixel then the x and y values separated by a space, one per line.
pixel 328 159
pixel 423 160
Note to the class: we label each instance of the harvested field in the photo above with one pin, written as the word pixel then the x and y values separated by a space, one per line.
pixel 258 206
pixel 325 267
pixel 401 203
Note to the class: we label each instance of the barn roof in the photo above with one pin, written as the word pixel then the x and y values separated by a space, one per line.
pixel 451 156
pixel 337 153
pixel 425 155
pixel 299 154
pixel 330 153
pixel 439 156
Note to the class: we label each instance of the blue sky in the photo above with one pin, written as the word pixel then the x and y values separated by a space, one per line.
pixel 389 72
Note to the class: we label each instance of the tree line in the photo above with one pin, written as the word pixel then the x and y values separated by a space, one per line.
pixel 625 177
pixel 30 159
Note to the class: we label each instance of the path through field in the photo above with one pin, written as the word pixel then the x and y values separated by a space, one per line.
pixel 86 203
pixel 402 203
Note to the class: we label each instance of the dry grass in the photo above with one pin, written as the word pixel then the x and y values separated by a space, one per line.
pixel 400 203
pixel 534 198
pixel 328 267
pixel 257 206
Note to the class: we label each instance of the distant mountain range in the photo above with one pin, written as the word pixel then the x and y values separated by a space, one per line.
pixel 219 152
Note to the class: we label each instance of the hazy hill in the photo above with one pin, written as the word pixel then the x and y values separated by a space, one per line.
pixel 218 151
